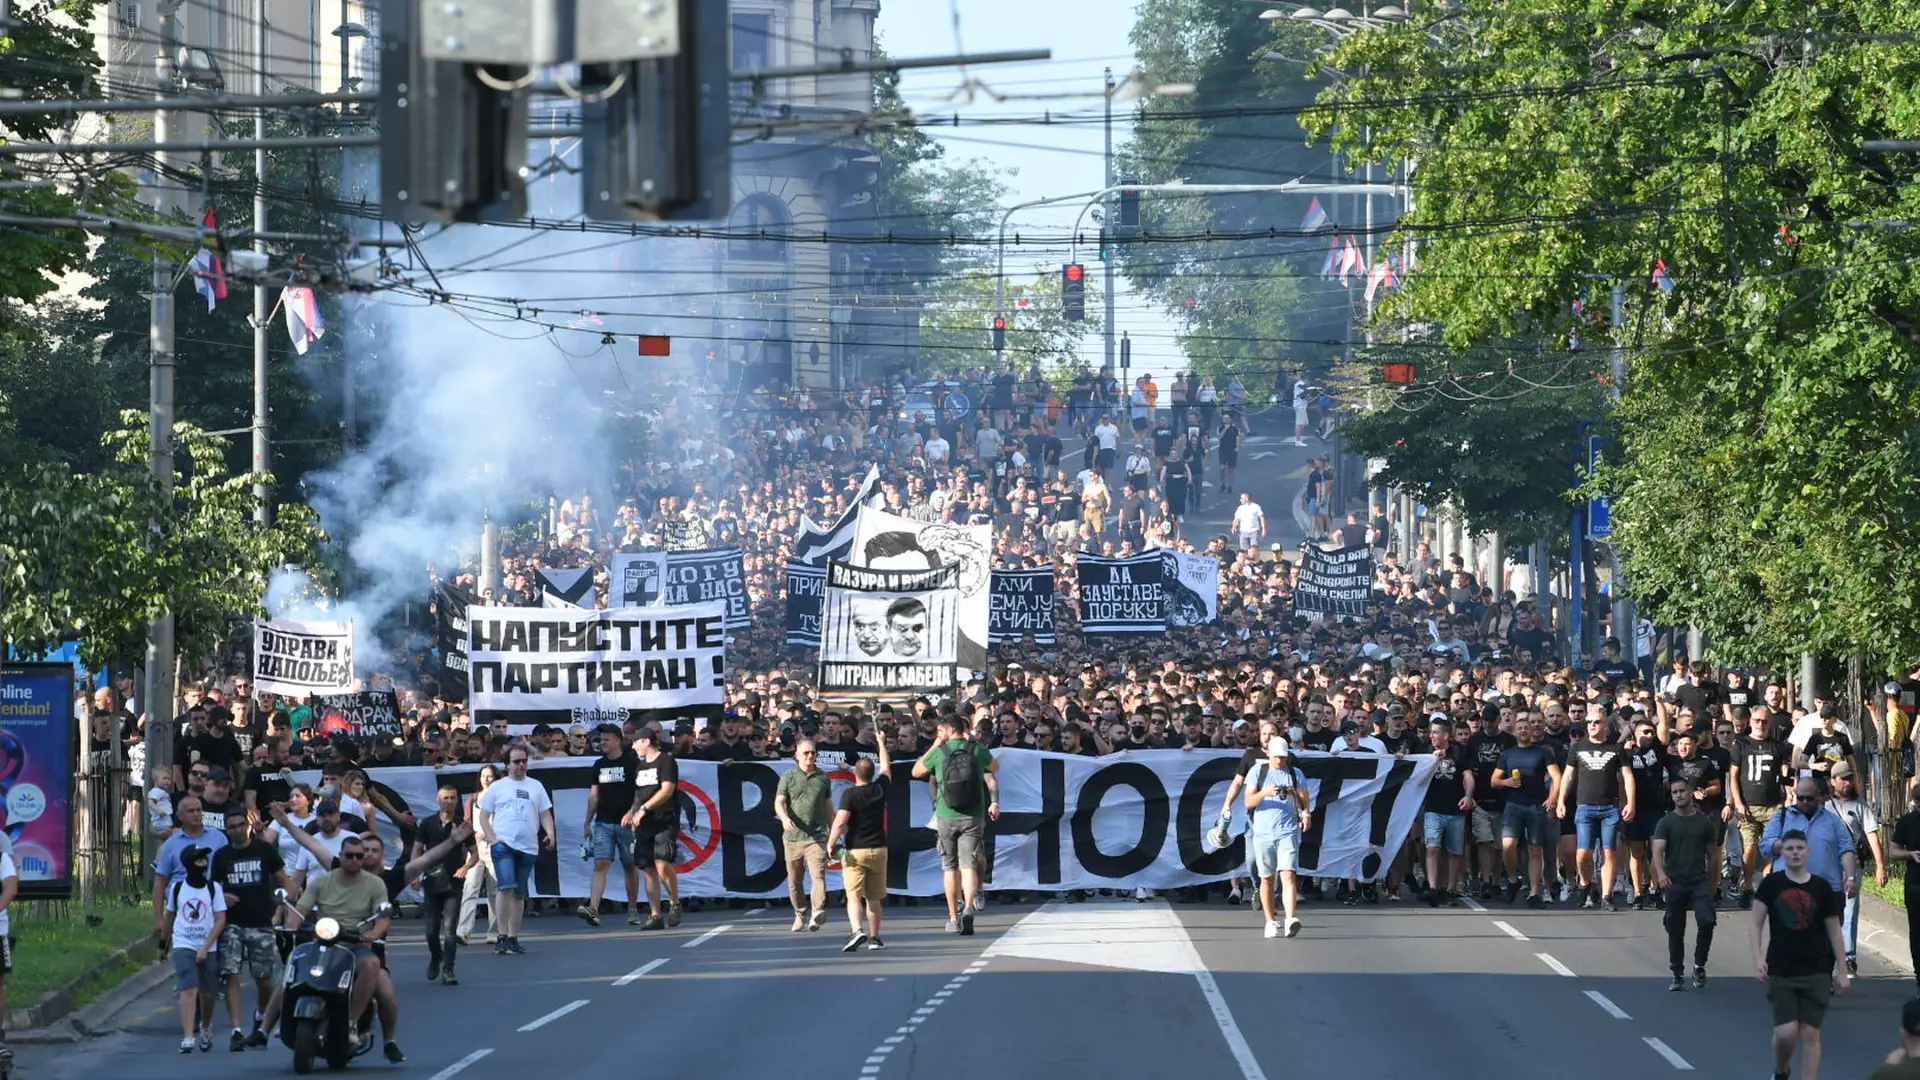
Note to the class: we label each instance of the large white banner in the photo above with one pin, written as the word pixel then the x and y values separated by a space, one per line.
pixel 302 658
pixel 1126 820
pixel 890 633
pixel 563 666
pixel 1191 586
pixel 886 541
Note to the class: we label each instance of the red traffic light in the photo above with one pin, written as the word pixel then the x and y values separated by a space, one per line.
pixel 999 322
pixel 1075 271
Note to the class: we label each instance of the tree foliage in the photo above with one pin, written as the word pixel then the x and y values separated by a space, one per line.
pixel 1765 484
pixel 45 55
pixel 956 328
pixel 99 554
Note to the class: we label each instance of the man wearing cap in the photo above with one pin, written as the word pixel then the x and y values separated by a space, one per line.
pixel 217 804
pixel 1864 826
pixel 1830 853
pixel 1280 810
pixel 655 822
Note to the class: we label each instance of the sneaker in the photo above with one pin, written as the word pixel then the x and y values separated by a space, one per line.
pixel 654 922
pixel 980 902
pixel 799 921
pixel 186 1045
pixel 1293 928
pixel 1233 896
pixel 394 1056
pixel 256 1037
pixel 634 917
pixel 1610 904
pixel 1273 929
pixel 1513 891
pixel 433 969
pixel 853 944
pixel 465 939
pixel 1566 891
pixel 1677 985
pixel 500 947
pixel 591 916
pixel 1588 896
pixel 1142 894
pixel 206 1040
pixel 953 926
pixel 819 920
pixel 1699 977
pixel 875 945
pixel 447 977
pixel 1853 966
pixel 966 925
pixel 1535 900
pixel 514 946
pixel 238 1042
pixel 673 913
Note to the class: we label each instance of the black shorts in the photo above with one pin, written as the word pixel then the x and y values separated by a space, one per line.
pixel 662 845
pixel 1229 458
pixel 1103 458
pixel 1569 825
pixel 1640 829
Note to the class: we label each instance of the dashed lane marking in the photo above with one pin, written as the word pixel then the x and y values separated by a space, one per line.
pixel 640 972
pixel 1673 1057
pixel 1508 929
pixel 877 1059
pixel 454 1069
pixel 1472 904
pixel 1559 968
pixel 1607 1004
pixel 554 1015
pixel 709 935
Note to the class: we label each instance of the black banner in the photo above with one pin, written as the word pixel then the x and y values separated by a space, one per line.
pixel 719 574
pixel 450 603
pixel 1336 582
pixel 1022 605
pixel 1121 596
pixel 369 714
pixel 806 585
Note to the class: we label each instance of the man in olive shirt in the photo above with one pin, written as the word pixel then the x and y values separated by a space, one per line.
pixel 1683 843
pixel 804 804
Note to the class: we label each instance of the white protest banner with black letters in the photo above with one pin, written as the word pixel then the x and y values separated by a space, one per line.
pixel 1335 581
pixel 367 714
pixel 892 632
pixel 1191 584
pixel 301 658
pixel 535 666
pixel 1022 605
pixel 1121 596
pixel 884 541
pixel 806 588
pixel 1118 822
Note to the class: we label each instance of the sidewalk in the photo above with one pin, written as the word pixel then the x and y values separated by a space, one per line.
pixel 1883 928
pixel 56 1021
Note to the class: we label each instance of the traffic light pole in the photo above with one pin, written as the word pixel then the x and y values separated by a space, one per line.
pixel 1108 225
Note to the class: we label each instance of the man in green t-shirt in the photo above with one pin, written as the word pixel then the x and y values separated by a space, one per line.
pixel 804 804
pixel 965 796
pixel 1682 848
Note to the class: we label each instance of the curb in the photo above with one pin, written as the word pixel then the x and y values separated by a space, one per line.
pixel 54 1020
pixel 1883 928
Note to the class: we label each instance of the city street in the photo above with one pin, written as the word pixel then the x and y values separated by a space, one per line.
pixel 1107 988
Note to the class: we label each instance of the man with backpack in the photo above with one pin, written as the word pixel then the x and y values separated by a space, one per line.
pixel 965 797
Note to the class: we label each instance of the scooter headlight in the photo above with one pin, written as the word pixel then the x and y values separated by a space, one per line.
pixel 326 929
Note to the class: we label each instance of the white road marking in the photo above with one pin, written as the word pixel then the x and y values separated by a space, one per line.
pixel 709 935
pixel 640 972
pixel 1559 968
pixel 554 1015
pixel 1607 1004
pixel 1673 1057
pixel 1509 930
pixel 454 1069
pixel 1472 904
pixel 878 1055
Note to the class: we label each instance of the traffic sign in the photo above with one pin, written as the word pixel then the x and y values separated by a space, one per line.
pixel 1599 514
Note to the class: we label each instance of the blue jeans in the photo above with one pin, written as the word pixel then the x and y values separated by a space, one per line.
pixel 612 842
pixel 1527 824
pixel 1448 830
pixel 512 869
pixel 1589 820
pixel 1850 926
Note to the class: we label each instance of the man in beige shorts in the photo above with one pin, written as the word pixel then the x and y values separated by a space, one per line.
pixel 859 834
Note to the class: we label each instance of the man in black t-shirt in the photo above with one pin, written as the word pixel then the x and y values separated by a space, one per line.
pixel 608 801
pixel 1529 774
pixel 1603 793
pixel 859 835
pixel 1648 760
pixel 1484 748
pixel 655 821
pixel 1799 911
pixel 1756 786
pixel 440 882
pixel 1444 814
pixel 1709 784
pixel 1827 748
pixel 249 869
pixel 217 801
pixel 269 782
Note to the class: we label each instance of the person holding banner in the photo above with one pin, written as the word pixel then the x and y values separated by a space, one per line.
pixel 965 797
pixel 1277 802
pixel 861 825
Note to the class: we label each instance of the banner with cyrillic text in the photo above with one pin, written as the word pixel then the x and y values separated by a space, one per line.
pixel 806 587
pixel 564 666
pixel 1121 596
pixel 302 658
pixel 1022 605
pixel 884 541
pixel 1129 820
pixel 891 633
pixel 679 578
pixel 1334 582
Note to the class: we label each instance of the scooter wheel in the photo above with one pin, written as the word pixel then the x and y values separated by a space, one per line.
pixel 306 1045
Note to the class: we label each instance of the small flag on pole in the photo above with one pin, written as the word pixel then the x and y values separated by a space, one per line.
pixel 1350 261
pixel 304 324
pixel 1316 217
pixel 1660 276
pixel 209 269
pixel 1327 269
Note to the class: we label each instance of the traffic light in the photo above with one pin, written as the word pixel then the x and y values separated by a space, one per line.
pixel 452 146
pixel 657 140
pixel 1130 210
pixel 999 333
pixel 1073 292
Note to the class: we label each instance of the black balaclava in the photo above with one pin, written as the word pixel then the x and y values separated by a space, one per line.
pixel 196 861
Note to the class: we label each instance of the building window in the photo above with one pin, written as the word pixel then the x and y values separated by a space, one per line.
pixel 752 41
pixel 129 15
pixel 753 215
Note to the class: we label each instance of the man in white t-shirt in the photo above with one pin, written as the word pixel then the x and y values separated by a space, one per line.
pixel 199 910
pixel 1249 522
pixel 1106 438
pixel 937 450
pixel 515 818
pixel 1299 413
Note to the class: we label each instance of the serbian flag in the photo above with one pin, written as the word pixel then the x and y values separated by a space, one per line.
pixel 1316 217
pixel 1351 261
pixel 304 324
pixel 1381 274
pixel 208 267
pixel 1660 276
pixel 1328 269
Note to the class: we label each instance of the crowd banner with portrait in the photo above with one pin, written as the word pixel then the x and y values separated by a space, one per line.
pixel 302 658
pixel 1119 822
pixel 806 587
pixel 533 666
pixel 891 633
pixel 886 541
pixel 1022 605
pixel 1121 596
pixel 1191 585
pixel 450 604
pixel 678 578
pixel 1334 582
pixel 565 587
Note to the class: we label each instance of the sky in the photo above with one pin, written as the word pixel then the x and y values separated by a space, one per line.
pixel 1086 37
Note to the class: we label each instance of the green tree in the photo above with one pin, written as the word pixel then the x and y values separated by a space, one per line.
pixel 99 554
pixel 46 54
pixel 1764 485
pixel 956 325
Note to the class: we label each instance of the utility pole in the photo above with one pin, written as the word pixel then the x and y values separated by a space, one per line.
pixel 1626 620
pixel 262 439
pixel 160 658
pixel 1107 227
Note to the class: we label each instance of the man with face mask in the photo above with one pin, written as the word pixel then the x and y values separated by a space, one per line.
pixel 198 911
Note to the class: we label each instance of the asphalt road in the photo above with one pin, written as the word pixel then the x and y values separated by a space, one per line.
pixel 1113 989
